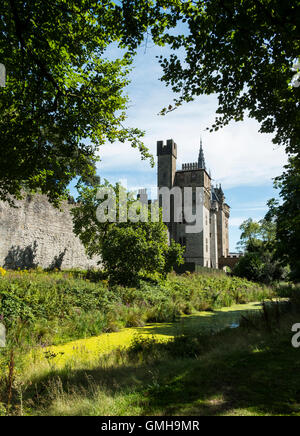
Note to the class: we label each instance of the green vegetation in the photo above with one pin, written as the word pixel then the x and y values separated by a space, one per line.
pixel 286 215
pixel 260 261
pixel 62 87
pixel 54 307
pixel 252 370
pixel 122 231
pixel 189 367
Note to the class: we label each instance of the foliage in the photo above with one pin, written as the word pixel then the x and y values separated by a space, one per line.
pixel 259 262
pixel 286 215
pixel 230 372
pixel 62 88
pixel 127 247
pixel 244 52
pixel 260 266
pixel 250 231
pixel 53 307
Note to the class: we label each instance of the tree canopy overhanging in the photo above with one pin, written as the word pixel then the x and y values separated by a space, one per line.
pixel 63 96
pixel 244 52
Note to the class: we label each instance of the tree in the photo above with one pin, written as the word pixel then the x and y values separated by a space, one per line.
pixel 63 97
pixel 250 231
pixel 259 262
pixel 128 250
pixel 244 52
pixel 260 266
pixel 287 217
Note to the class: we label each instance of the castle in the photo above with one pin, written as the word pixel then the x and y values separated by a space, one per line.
pixel 36 234
pixel 210 246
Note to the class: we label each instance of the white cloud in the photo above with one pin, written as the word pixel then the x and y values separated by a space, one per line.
pixel 237 154
pixel 237 221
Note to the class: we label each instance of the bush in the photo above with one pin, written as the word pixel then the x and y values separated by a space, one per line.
pixel 260 267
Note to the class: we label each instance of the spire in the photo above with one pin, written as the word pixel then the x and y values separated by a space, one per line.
pixel 201 160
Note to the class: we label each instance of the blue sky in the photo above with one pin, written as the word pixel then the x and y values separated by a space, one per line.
pixel 239 157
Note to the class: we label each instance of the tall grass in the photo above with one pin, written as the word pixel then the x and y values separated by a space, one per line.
pixel 249 370
pixel 46 308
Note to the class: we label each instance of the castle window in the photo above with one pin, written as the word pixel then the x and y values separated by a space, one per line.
pixel 206 245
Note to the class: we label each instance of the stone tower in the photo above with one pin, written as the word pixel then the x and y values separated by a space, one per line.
pixel 166 162
pixel 166 170
pixel 195 176
pixel 205 246
pixel 222 223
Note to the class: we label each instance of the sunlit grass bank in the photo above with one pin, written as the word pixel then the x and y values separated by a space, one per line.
pixel 78 347
pixel 89 349
pixel 250 370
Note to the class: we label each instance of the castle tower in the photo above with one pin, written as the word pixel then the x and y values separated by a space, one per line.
pixel 166 170
pixel 222 223
pixel 166 163
pixel 197 245
pixel 209 242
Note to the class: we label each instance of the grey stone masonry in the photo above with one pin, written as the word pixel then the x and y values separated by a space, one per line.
pixel 208 246
pixel 35 233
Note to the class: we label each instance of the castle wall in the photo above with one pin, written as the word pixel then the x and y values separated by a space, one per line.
pixel 37 234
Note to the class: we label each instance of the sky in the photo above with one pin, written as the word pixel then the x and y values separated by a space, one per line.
pixel 241 159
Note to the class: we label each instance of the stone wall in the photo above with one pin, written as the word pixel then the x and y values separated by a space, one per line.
pixel 230 261
pixel 37 234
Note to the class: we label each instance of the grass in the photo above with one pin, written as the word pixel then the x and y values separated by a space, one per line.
pixel 80 357
pixel 40 308
pixel 89 349
pixel 245 371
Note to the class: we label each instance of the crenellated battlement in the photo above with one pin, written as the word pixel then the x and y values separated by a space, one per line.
pixel 169 148
pixel 190 166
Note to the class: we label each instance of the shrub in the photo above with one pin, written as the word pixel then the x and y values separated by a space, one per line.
pixel 164 312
